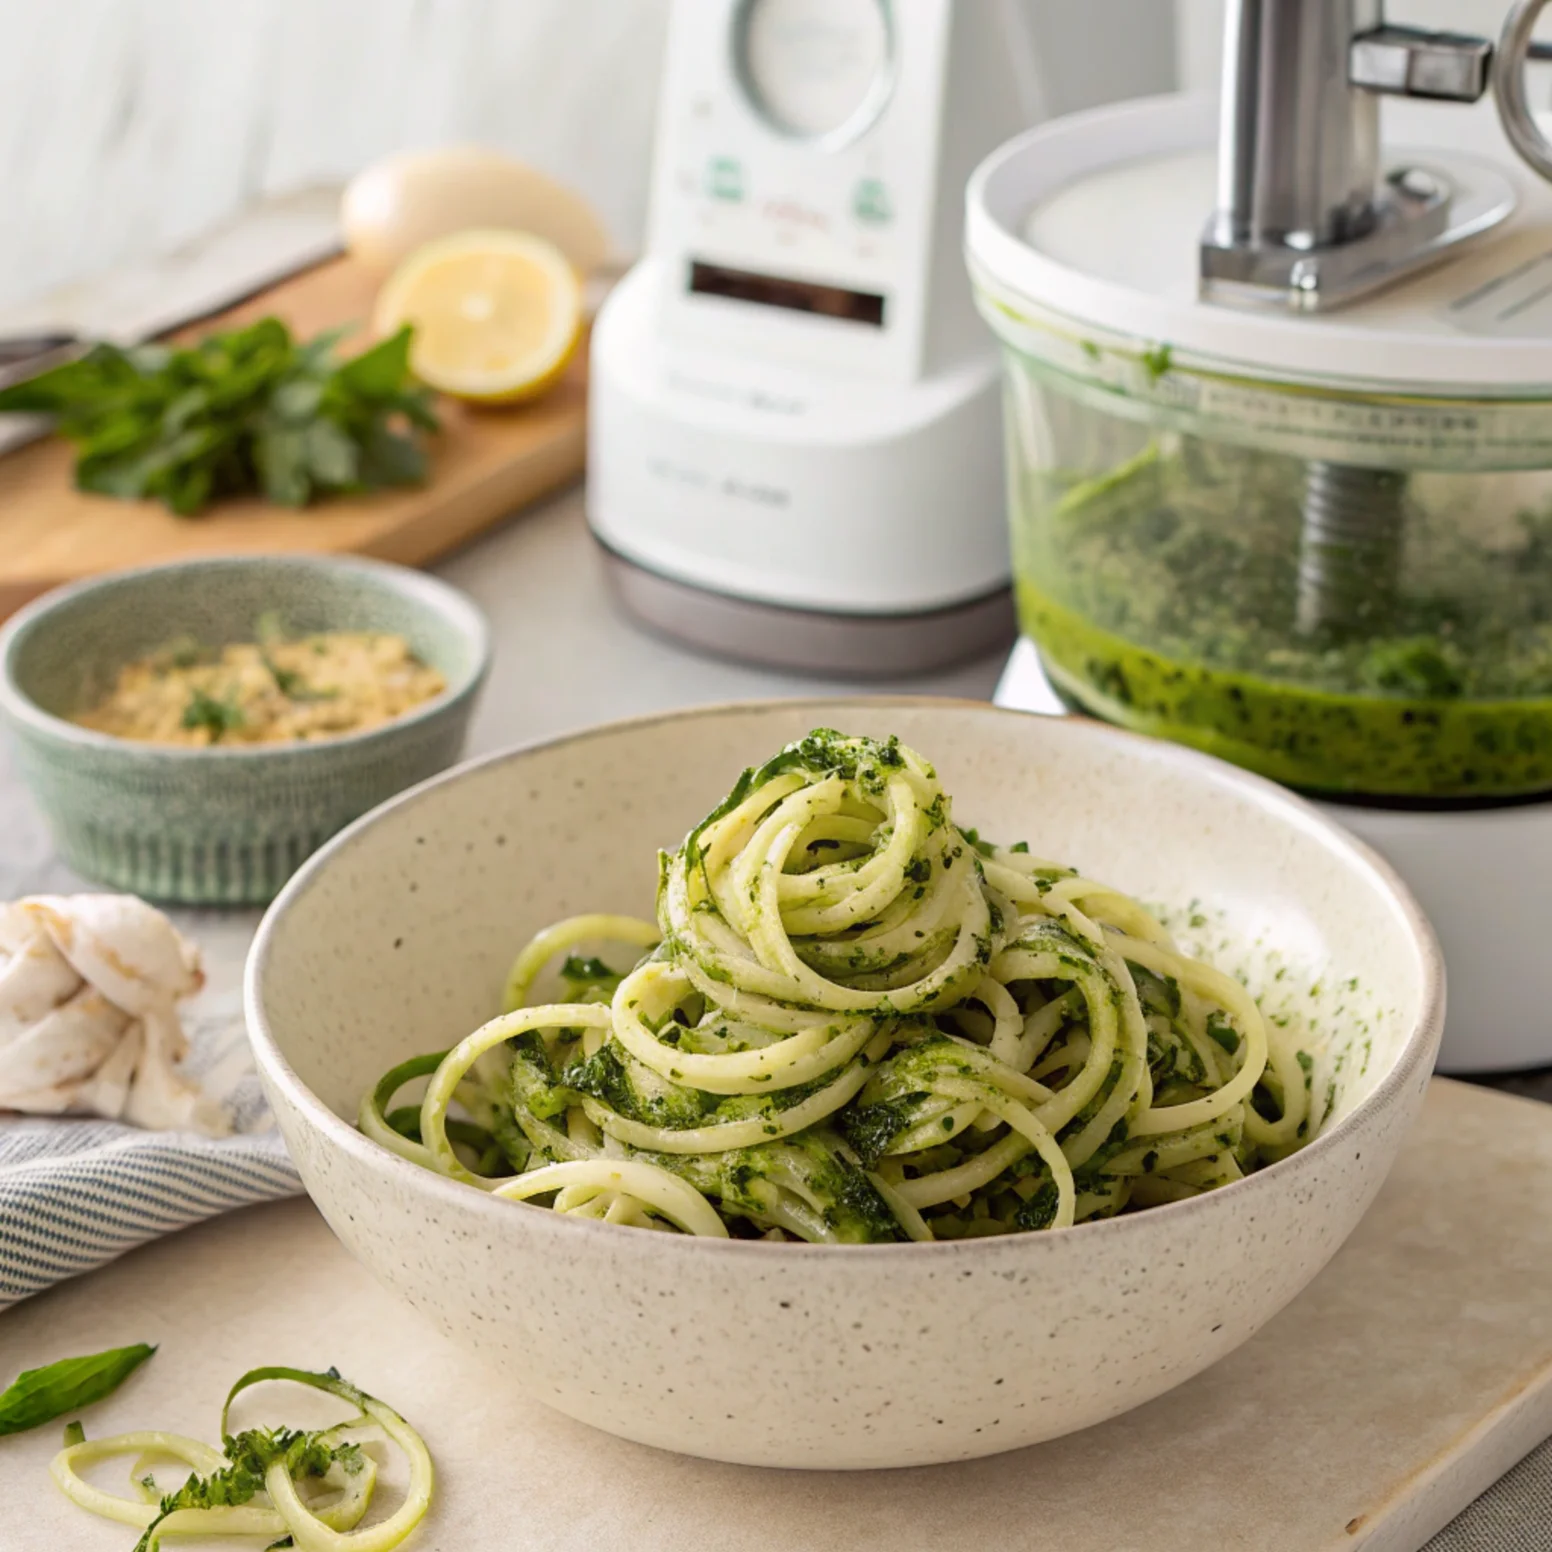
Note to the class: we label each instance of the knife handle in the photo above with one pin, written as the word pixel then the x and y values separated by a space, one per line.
pixel 17 349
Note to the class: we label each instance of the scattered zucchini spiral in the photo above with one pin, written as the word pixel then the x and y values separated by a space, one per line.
pixel 309 1489
pixel 855 1021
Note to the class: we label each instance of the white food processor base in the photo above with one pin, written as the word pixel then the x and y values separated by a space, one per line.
pixel 783 514
pixel 1482 876
pixel 883 646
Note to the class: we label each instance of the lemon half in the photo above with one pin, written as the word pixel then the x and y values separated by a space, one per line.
pixel 497 315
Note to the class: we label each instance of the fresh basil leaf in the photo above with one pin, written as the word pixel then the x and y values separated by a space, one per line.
pixel 380 371
pixel 265 336
pixel 39 1396
pixel 49 392
pixel 317 355
pixel 126 477
pixel 297 400
pixel 389 459
pixel 332 458
pixel 416 408
pixel 281 456
pixel 128 431
pixel 185 446
pixel 188 406
pixel 151 472
pixel 188 492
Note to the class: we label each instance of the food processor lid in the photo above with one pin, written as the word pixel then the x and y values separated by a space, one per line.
pixel 1089 227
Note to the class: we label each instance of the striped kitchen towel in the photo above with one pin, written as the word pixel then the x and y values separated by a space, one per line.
pixel 76 1192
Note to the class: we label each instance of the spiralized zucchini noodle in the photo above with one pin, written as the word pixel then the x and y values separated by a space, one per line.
pixel 855 1021
pixel 310 1490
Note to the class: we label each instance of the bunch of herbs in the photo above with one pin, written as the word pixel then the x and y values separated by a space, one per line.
pixel 245 410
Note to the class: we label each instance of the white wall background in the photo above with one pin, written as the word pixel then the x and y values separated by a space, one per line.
pixel 128 127
pixel 1199 50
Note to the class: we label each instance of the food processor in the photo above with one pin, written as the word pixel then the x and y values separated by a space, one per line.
pixel 1278 391
pixel 794 417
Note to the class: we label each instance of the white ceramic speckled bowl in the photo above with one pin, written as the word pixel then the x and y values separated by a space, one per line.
pixel 395 940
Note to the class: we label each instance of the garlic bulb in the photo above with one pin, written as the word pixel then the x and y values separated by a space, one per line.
pixel 89 986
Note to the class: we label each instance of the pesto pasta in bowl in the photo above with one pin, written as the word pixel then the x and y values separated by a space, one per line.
pixel 981 1076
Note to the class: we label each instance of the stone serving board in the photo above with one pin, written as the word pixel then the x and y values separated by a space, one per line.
pixel 1411 1374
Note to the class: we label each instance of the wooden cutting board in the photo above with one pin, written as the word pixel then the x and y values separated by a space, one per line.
pixel 1411 1374
pixel 486 464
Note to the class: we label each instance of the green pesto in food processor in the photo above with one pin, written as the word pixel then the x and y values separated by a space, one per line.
pixel 1164 596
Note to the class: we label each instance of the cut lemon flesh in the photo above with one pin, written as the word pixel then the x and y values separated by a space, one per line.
pixel 497 315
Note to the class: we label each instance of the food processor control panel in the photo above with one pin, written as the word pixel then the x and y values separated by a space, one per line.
pixel 795 189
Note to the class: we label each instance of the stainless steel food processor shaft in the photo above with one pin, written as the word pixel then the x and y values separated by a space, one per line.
pixel 1349 549
pixel 1309 217
pixel 1299 152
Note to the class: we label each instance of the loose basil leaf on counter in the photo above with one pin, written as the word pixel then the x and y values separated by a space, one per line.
pixel 40 1395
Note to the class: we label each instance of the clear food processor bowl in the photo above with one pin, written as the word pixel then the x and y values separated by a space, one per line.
pixel 1344 587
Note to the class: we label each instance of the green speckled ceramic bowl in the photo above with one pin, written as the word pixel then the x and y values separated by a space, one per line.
pixel 223 825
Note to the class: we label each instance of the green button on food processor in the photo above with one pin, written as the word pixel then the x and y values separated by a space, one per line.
pixel 871 204
pixel 725 179
pixel 1279 430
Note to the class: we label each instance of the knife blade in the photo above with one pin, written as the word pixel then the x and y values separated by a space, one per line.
pixel 27 347
pixel 264 245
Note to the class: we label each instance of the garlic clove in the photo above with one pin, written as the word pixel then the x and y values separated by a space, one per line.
pixel 106 1092
pixel 65 1045
pixel 125 948
pixel 160 1097
pixel 33 982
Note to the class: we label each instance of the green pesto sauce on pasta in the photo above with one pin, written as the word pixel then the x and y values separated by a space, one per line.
pixel 855 1020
